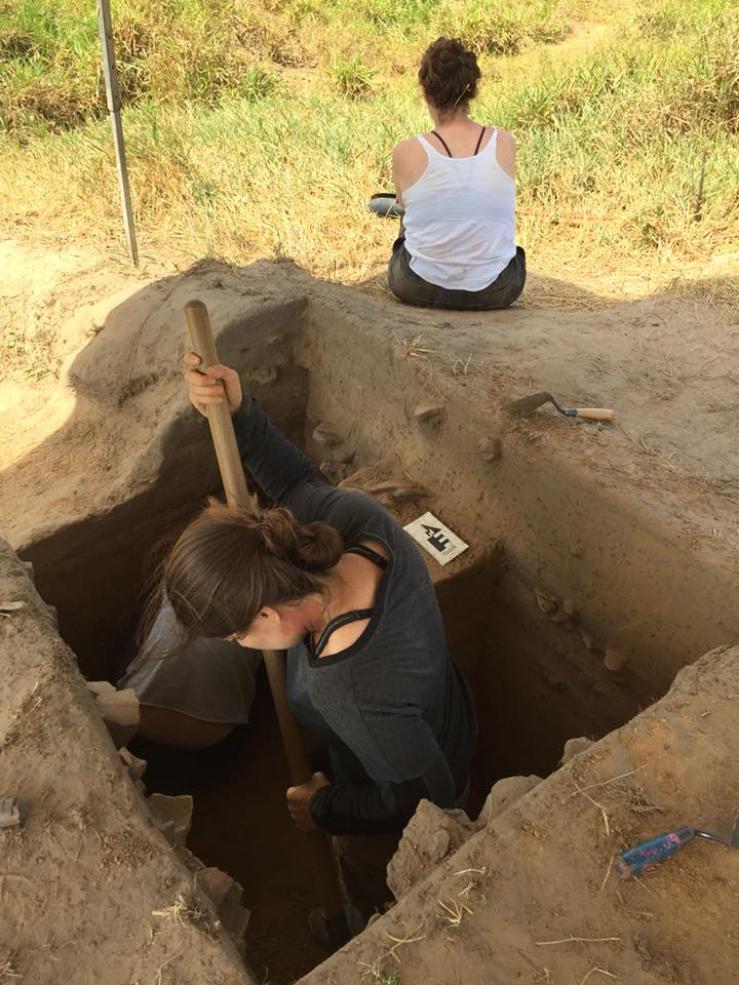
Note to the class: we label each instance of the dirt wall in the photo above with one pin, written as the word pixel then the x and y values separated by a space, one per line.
pixel 578 514
pixel 90 888
pixel 533 897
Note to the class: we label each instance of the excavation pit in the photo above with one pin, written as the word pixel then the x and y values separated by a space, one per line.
pixel 536 685
pixel 562 571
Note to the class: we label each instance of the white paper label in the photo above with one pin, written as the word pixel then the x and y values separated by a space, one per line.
pixel 441 543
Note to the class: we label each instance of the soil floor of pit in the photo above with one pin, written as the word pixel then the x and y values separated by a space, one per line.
pixel 241 825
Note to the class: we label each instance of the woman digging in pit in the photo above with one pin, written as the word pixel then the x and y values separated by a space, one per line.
pixel 457 243
pixel 330 577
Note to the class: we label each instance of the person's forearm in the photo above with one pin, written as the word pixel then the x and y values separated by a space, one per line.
pixel 274 462
pixel 343 808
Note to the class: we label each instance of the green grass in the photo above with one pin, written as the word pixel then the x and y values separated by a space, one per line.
pixel 352 78
pixel 260 129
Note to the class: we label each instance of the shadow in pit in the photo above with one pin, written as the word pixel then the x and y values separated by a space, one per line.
pixel 241 825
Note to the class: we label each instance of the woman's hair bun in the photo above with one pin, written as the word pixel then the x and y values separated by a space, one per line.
pixel 229 563
pixel 311 546
pixel 449 74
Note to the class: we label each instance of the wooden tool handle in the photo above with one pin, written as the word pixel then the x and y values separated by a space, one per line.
pixel 221 428
pixel 237 494
pixel 595 413
pixel 324 868
pixel 297 761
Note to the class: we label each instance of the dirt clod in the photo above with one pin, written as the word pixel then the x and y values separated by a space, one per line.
pixel 136 767
pixel 324 434
pixel 547 603
pixel 438 846
pixel 226 895
pixel 431 836
pixel 573 747
pixel 505 793
pixel 615 660
pixel 173 815
pixel 10 813
pixel 429 413
pixel 120 712
pixel 490 449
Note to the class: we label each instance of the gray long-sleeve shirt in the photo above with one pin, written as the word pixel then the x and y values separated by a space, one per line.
pixel 398 714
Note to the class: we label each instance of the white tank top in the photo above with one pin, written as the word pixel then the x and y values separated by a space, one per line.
pixel 460 219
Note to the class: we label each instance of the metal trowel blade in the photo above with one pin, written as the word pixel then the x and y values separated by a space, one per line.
pixel 526 404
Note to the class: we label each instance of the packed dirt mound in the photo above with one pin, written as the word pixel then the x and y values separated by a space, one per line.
pixel 533 897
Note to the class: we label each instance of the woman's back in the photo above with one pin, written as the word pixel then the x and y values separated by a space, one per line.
pixel 460 216
pixel 456 247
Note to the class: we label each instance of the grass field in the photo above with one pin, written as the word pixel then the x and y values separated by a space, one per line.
pixel 261 128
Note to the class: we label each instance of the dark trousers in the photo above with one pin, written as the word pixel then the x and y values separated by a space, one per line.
pixel 363 862
pixel 408 287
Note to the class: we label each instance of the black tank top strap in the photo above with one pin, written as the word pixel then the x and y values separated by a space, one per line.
pixel 369 554
pixel 444 143
pixel 344 619
pixel 479 141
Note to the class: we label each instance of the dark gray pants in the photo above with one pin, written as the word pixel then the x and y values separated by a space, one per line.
pixel 408 287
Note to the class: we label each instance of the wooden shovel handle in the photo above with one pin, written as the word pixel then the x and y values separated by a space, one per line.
pixel 237 495
pixel 221 427
pixel 595 413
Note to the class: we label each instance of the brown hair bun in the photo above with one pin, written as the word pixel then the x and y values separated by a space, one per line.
pixel 449 74
pixel 311 546
pixel 228 564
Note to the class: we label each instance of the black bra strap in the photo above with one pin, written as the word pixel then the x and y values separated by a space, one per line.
pixel 337 623
pixel 369 554
pixel 443 142
pixel 479 141
pixel 446 148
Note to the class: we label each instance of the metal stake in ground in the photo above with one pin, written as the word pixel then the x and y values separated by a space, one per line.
pixel 237 495
pixel 112 95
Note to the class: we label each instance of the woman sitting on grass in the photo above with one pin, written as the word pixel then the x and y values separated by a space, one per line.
pixel 457 246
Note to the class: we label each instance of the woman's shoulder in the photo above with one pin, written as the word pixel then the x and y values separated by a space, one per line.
pixel 505 149
pixel 408 148
pixel 505 135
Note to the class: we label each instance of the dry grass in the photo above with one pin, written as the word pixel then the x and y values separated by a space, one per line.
pixel 188 910
pixel 260 129
pixel 379 973
pixel 8 971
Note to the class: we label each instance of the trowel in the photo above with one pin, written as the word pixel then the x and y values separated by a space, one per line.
pixel 662 847
pixel 527 404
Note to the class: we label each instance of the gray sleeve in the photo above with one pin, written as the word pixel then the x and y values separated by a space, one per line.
pixel 211 680
pixel 402 760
